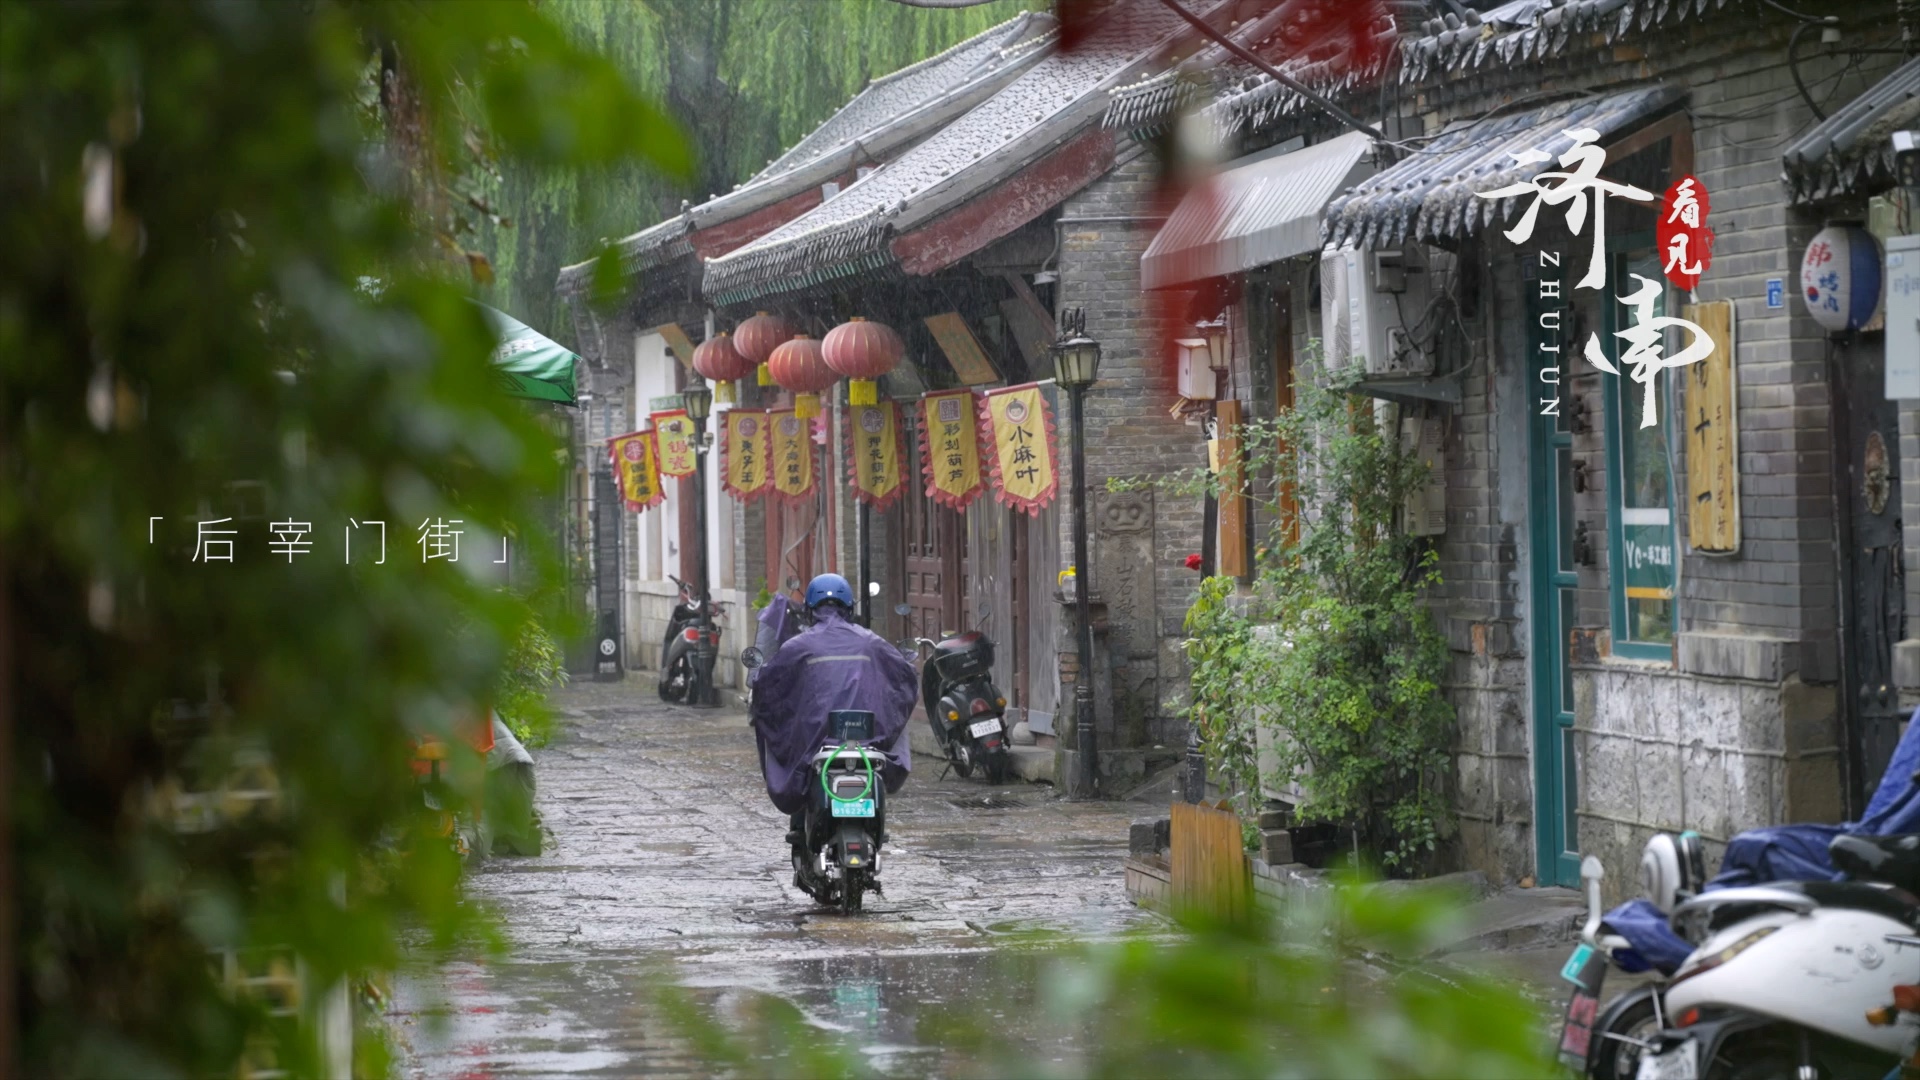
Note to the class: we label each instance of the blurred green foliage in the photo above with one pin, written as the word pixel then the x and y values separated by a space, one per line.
pixel 227 294
pixel 534 665
pixel 1327 988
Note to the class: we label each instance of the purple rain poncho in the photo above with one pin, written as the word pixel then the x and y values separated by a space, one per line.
pixel 835 664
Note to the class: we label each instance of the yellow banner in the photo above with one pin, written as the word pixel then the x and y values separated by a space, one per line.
pixel 1020 433
pixel 874 453
pixel 792 440
pixel 950 447
pixel 744 442
pixel 673 439
pixel 636 469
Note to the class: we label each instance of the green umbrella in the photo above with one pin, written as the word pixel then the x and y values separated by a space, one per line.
pixel 531 364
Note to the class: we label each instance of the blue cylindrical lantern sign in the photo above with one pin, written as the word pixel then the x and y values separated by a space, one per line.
pixel 1840 277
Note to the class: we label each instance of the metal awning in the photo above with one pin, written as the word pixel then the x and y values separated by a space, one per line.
pixel 1430 194
pixel 1851 152
pixel 1253 213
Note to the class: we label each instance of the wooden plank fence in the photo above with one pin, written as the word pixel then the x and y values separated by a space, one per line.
pixel 1209 862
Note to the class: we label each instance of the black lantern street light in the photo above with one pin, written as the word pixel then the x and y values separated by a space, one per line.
pixel 1076 362
pixel 698 399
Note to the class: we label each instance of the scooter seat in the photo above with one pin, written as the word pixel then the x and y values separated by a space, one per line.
pixel 1879 898
pixel 1892 859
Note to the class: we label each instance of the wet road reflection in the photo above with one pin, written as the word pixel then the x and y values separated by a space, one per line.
pixel 668 865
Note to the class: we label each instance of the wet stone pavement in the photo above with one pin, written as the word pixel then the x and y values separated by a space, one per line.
pixel 666 862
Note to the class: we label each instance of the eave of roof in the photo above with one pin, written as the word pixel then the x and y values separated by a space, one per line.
pixel 1514 33
pixel 891 110
pixel 1851 151
pixel 1018 125
pixel 1433 193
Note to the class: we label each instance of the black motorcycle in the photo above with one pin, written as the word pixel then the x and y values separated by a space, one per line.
pixel 688 651
pixel 967 711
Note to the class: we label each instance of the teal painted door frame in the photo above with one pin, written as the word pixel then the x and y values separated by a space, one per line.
pixel 1551 531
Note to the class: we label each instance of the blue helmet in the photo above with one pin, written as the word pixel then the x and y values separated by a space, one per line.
pixel 829 587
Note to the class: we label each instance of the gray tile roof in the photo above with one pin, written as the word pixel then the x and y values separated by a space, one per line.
pixel 1850 152
pixel 1061 95
pixel 1430 194
pixel 891 110
pixel 1513 33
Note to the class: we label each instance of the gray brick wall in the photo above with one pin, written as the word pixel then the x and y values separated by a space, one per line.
pixel 1128 429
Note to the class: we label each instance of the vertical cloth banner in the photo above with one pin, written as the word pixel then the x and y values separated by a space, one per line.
pixel 1017 431
pixel 673 437
pixel 636 469
pixel 748 470
pixel 876 453
pixel 792 443
pixel 950 447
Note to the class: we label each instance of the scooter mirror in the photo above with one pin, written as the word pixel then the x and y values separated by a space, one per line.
pixel 873 588
pixel 750 657
pixel 903 609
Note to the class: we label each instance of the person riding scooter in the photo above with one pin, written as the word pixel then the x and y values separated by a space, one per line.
pixel 835 664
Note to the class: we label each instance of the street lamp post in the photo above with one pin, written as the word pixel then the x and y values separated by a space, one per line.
pixel 1076 362
pixel 698 398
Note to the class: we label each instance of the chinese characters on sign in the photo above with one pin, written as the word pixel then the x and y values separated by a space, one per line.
pixel 1712 436
pixel 637 469
pixel 439 540
pixel 950 447
pixel 792 439
pixel 875 453
pixel 1682 236
pixel 1584 193
pixel 1018 432
pixel 744 444
pixel 673 440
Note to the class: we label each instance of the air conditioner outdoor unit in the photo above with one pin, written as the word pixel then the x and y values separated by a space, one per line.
pixel 1362 293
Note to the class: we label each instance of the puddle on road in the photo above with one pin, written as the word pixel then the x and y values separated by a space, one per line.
pixel 914 1014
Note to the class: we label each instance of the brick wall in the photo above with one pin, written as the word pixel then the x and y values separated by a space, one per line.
pixel 1130 433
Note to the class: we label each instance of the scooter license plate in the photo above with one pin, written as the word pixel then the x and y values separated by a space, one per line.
pixel 989 726
pixel 853 808
pixel 1678 1063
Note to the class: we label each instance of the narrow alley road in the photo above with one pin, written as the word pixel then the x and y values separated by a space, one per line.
pixel 667 862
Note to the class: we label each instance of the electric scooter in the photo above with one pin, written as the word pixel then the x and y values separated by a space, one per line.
pixel 1795 980
pixel 688 651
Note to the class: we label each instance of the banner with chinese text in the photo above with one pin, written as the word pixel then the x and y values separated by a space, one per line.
pixel 950 447
pixel 636 469
pixel 1017 431
pixel 792 444
pixel 673 438
pixel 876 453
pixel 746 473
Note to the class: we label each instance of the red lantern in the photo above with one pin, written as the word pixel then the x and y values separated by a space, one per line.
pixel 862 351
pixel 756 338
pixel 717 359
pixel 798 366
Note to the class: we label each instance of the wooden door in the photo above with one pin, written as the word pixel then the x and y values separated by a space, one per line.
pixel 924 562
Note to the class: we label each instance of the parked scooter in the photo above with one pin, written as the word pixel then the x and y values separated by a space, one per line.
pixel 967 712
pixel 1795 980
pixel 1610 1042
pixel 687 653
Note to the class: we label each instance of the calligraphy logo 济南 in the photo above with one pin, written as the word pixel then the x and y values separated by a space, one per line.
pixel 1687 252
